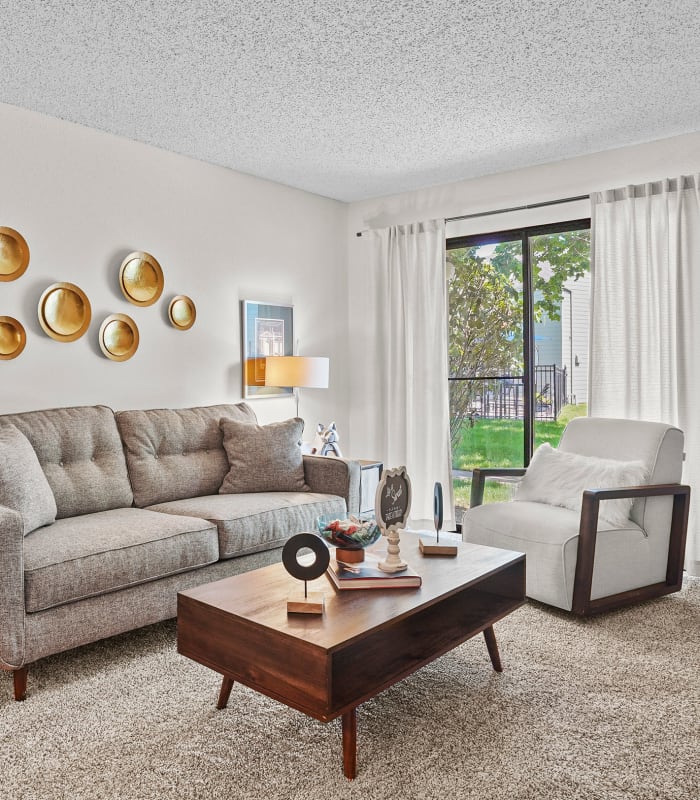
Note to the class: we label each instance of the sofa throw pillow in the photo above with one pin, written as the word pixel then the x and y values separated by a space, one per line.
pixel 23 485
pixel 263 458
pixel 558 478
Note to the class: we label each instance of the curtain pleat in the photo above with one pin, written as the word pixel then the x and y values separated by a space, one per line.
pixel 398 321
pixel 645 315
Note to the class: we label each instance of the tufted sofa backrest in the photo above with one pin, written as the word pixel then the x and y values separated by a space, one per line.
pixel 173 454
pixel 81 454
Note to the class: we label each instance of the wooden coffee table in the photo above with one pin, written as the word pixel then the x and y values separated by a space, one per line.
pixel 366 640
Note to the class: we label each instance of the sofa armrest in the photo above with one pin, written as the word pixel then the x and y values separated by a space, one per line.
pixel 331 475
pixel 11 589
pixel 479 476
pixel 588 531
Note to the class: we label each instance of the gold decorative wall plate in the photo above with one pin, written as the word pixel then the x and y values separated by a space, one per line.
pixel 141 279
pixel 119 337
pixel 13 337
pixel 64 312
pixel 182 312
pixel 14 254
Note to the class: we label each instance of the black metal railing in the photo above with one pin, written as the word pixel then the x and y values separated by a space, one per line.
pixel 550 390
pixel 503 396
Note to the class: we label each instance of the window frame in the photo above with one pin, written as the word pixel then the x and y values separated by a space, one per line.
pixel 524 234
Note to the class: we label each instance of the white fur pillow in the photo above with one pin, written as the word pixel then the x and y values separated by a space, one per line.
pixel 558 478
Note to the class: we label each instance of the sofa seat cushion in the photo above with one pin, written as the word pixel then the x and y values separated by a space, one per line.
pixel 256 521
pixel 548 535
pixel 110 550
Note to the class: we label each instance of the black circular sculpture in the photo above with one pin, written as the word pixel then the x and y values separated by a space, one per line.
pixel 305 572
pixel 437 507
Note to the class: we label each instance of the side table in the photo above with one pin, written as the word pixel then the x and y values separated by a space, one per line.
pixel 370 475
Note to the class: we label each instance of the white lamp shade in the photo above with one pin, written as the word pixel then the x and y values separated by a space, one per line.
pixel 309 372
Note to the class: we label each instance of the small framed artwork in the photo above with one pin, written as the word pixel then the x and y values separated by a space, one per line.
pixel 268 330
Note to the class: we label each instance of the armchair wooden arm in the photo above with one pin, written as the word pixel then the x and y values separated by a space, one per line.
pixel 582 603
pixel 479 477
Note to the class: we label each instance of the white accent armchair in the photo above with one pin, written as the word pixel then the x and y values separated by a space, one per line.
pixel 574 559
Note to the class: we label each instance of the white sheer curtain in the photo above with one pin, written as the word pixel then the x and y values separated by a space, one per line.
pixel 398 322
pixel 645 315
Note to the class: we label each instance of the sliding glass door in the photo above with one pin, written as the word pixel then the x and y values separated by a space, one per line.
pixel 518 316
pixel 486 355
pixel 560 264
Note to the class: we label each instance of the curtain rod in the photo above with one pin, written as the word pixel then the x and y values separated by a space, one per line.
pixel 506 210
pixel 519 208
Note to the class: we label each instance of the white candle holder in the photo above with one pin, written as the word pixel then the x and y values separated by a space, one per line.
pixel 392 562
pixel 392 505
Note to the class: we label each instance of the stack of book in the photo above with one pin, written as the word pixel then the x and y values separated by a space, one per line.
pixel 367 575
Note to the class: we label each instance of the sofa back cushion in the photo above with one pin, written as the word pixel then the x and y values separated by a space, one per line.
pixel 81 454
pixel 23 485
pixel 174 454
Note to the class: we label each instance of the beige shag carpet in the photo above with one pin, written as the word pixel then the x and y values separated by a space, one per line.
pixel 600 709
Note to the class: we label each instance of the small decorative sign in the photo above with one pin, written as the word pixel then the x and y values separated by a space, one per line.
pixel 393 499
pixel 392 507
pixel 312 603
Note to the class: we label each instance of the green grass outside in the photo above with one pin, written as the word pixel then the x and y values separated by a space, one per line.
pixel 499 443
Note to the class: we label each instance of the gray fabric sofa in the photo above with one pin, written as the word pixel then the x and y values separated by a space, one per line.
pixel 139 517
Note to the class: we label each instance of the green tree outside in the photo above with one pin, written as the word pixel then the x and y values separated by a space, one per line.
pixel 485 313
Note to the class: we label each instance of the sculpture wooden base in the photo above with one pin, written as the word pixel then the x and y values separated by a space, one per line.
pixel 433 548
pixel 312 604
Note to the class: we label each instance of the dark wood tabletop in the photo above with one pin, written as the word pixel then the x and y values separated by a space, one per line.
pixel 260 596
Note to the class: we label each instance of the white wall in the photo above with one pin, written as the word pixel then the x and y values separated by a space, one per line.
pixel 84 199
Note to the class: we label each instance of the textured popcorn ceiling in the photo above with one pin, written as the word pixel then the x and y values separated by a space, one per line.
pixel 360 98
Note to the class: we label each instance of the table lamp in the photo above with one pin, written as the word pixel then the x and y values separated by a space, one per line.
pixel 297 372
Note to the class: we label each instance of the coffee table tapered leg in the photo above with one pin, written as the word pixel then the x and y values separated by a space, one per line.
pixel 492 647
pixel 226 686
pixel 350 744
